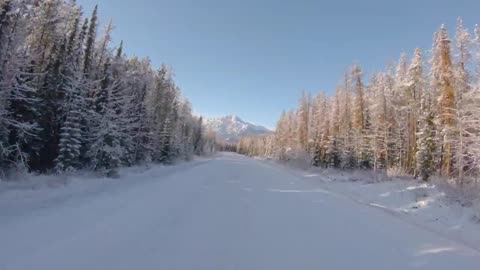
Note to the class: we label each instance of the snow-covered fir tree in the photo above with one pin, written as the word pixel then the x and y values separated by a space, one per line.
pixel 69 101
pixel 71 137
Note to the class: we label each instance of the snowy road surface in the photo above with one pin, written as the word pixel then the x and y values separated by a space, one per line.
pixel 230 212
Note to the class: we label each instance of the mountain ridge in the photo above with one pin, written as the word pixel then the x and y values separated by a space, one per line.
pixel 231 128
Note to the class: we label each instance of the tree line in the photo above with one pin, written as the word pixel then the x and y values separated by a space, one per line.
pixel 416 117
pixel 69 100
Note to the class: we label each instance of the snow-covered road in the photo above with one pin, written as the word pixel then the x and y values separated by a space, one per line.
pixel 230 212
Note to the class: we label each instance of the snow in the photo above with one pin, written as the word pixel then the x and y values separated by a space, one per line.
pixel 231 128
pixel 227 212
pixel 428 206
pixel 431 206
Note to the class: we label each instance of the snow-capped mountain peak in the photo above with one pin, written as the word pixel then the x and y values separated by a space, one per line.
pixel 231 128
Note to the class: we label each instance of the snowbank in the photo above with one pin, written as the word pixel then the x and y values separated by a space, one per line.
pixel 434 206
pixel 32 192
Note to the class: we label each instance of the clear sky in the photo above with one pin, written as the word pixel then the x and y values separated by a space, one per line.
pixel 252 58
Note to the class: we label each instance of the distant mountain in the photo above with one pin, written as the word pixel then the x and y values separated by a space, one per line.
pixel 231 128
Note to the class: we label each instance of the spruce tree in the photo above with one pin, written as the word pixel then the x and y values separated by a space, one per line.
pixel 70 142
pixel 90 44
pixel 425 156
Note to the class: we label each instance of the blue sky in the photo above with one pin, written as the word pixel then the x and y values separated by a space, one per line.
pixel 253 58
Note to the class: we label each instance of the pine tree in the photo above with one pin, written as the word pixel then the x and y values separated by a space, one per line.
pixel 415 86
pixel 71 140
pixel 66 102
pixel 165 138
pixel 332 151
pixel 18 98
pixel 102 49
pixel 198 132
pixel 163 111
pixel 477 55
pixel 400 118
pixel 321 130
pixel 366 158
pixel 380 123
pixel 90 43
pixel 303 120
pixel 444 82
pixel 6 20
pixel 401 121
pixel 140 130
pixel 425 156
pixel 19 117
pixel 359 99
pixel 463 89
pixel 463 56
pixel 346 127
pixel 106 150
